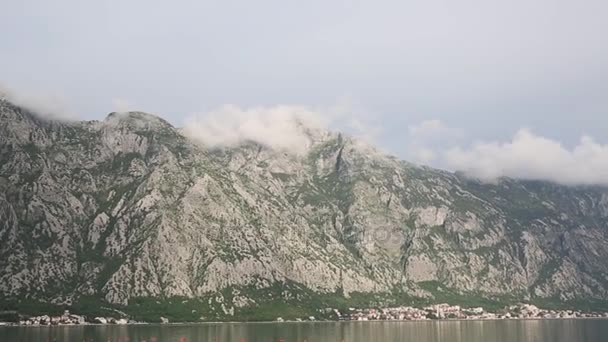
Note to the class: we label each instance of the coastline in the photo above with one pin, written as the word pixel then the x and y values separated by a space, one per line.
pixel 306 322
pixel 439 312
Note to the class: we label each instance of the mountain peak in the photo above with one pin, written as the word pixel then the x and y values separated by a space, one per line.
pixel 137 120
pixel 126 208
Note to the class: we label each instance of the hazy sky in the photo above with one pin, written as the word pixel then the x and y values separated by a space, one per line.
pixel 426 75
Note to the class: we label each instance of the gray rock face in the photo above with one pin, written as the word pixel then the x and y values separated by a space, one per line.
pixel 130 207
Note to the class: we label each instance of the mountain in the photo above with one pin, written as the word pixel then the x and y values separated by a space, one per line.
pixel 130 213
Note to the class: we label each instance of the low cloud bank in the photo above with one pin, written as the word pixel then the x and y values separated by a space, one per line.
pixel 427 138
pixel 529 156
pixel 285 128
pixel 46 105
pixel 526 156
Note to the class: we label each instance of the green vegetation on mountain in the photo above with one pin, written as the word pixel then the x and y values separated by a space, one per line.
pixel 129 214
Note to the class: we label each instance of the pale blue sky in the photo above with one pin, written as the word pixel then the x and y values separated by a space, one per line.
pixel 485 67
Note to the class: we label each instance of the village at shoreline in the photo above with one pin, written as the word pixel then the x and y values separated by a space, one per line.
pixel 437 312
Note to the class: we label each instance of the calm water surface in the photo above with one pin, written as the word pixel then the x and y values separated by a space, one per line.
pixel 443 331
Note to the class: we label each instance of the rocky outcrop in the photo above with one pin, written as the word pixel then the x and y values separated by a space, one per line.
pixel 129 207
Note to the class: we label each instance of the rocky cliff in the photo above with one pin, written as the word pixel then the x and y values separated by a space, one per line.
pixel 129 207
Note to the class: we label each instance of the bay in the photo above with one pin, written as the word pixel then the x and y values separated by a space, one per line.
pixel 559 330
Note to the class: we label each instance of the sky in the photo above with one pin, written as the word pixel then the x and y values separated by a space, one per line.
pixel 494 88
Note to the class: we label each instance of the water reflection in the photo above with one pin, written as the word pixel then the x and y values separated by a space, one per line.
pixel 435 331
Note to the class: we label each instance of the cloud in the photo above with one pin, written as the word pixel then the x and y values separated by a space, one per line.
pixel 424 138
pixel 48 105
pixel 285 128
pixel 529 156
pixel 351 117
pixel 526 156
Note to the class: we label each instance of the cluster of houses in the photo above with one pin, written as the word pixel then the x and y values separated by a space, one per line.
pixel 446 311
pixel 69 319
pixel 531 311
pixel 401 313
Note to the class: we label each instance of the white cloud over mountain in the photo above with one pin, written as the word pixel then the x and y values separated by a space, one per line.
pixel 526 156
pixel 530 156
pixel 287 128
pixel 48 105
pixel 279 127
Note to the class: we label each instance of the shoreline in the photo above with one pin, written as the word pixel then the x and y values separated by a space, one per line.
pixel 302 322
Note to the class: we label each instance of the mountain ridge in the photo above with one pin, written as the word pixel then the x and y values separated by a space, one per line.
pixel 130 208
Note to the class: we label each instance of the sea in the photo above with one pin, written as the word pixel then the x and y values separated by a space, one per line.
pixel 545 330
